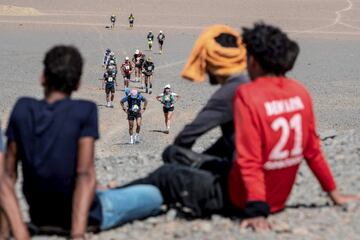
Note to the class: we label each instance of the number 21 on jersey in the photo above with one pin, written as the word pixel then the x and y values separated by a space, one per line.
pixel 279 152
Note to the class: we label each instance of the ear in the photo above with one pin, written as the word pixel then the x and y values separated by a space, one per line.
pixel 78 86
pixel 43 79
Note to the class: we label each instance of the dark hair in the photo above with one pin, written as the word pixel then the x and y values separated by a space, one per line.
pixel 271 47
pixel 63 69
pixel 227 40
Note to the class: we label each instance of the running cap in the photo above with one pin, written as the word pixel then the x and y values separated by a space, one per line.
pixel 167 86
pixel 137 51
pixel 126 58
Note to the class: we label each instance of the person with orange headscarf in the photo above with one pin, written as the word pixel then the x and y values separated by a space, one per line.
pixel 199 183
pixel 220 54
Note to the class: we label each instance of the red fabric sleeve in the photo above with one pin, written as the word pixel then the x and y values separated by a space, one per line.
pixel 315 158
pixel 248 149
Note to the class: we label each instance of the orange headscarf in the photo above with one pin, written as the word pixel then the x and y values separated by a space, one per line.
pixel 209 55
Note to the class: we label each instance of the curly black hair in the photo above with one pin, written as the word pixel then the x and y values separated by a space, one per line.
pixel 63 68
pixel 271 47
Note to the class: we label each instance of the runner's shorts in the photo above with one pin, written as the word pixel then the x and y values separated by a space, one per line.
pixel 109 88
pixel 127 76
pixel 166 110
pixel 133 115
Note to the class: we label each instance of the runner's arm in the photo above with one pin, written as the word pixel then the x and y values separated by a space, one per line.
pixel 122 103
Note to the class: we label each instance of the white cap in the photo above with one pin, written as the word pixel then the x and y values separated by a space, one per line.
pixel 137 51
pixel 112 53
pixel 126 58
pixel 167 86
pixel 161 31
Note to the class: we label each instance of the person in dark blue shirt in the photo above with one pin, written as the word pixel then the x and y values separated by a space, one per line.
pixel 134 112
pixel 54 139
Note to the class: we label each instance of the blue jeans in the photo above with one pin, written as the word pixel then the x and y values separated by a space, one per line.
pixel 126 204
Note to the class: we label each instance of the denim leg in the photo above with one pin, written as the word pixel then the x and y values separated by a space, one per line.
pixel 123 205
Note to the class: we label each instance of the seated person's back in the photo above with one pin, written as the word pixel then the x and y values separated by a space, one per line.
pixel 47 138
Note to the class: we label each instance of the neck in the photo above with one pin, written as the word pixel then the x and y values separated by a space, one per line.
pixel 55 96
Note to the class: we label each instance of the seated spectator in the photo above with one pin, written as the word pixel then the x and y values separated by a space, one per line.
pixel 220 54
pixel 274 130
pixel 54 139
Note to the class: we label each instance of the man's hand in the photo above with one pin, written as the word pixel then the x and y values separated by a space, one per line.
pixel 258 224
pixel 340 199
pixel 143 110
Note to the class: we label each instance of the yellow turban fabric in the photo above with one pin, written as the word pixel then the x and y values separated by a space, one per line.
pixel 208 55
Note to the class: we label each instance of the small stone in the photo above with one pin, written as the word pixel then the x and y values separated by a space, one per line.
pixel 300 231
pixel 171 215
pixel 205 227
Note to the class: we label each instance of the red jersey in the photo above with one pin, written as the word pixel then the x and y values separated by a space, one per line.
pixel 126 68
pixel 274 130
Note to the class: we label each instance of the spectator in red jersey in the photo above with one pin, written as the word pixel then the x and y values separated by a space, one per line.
pixel 274 130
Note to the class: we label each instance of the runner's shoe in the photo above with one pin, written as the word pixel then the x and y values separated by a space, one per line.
pixel 137 138
pixel 131 139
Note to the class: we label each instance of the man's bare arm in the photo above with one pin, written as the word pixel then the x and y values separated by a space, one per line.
pixel 85 187
pixel 9 201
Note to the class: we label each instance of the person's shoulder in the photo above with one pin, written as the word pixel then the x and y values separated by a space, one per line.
pixel 24 102
pixel 83 105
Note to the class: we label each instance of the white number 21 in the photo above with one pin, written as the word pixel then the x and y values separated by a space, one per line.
pixel 295 123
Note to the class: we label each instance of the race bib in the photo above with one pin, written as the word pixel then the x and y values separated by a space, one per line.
pixel 135 108
pixel 110 79
pixel 149 68
pixel 127 67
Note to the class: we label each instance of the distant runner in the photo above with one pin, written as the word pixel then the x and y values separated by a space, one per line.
pixel 148 70
pixel 106 57
pixel 109 84
pixel 168 99
pixel 161 39
pixel 138 61
pixel 126 70
pixel 150 38
pixel 113 20
pixel 134 113
pixel 131 20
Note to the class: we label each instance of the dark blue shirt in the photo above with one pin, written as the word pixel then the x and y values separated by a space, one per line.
pixel 47 137
pixel 134 103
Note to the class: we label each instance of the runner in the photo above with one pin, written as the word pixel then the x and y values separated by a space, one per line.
pixel 161 39
pixel 150 38
pixel 109 84
pixel 112 62
pixel 126 69
pixel 113 20
pixel 134 113
pixel 138 61
pixel 131 20
pixel 106 57
pixel 168 98
pixel 148 70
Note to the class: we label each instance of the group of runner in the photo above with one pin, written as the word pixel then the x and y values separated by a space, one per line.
pixel 134 103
